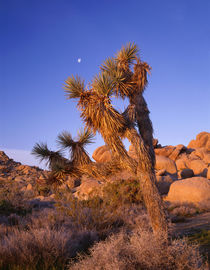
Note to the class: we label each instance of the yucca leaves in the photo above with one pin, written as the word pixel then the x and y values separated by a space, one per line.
pixel 74 87
pixel 127 55
pixel 85 137
pixel 78 155
pixel 99 115
pixel 42 152
pixel 141 69
pixel 65 140
pixel 109 65
pixel 102 84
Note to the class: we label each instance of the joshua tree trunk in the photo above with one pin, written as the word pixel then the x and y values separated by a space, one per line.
pixel 144 123
pixel 118 150
pixel 147 178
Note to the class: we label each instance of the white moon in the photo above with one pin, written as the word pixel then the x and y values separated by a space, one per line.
pixel 79 60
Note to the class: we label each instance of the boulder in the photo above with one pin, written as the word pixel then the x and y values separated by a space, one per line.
pixel 181 164
pixel 171 152
pixel 165 163
pixel 191 190
pixel 164 151
pixel 202 140
pixel 186 173
pixel 19 179
pixel 163 183
pixel 198 166
pixel 180 148
pixel 102 154
pixel 87 188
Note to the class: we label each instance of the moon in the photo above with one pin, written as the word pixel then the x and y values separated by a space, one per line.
pixel 79 60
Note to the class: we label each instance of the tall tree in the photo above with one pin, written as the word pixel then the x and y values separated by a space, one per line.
pixel 97 112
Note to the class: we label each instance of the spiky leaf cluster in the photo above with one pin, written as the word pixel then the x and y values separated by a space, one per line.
pixel 126 56
pixel 58 164
pixel 74 87
pixel 52 158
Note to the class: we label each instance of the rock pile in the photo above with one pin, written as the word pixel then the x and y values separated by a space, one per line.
pixel 175 163
pixel 24 176
pixel 15 171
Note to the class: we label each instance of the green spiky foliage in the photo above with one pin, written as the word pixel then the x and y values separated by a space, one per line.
pixel 74 87
pixel 78 154
pixel 52 158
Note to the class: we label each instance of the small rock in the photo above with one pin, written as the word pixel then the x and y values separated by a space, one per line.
pixel 186 173
pixel 41 198
pixel 29 187
pixel 52 196
pixel 161 172
pixel 23 189
pixel 19 179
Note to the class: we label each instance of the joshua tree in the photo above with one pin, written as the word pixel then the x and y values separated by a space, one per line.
pixel 97 112
pixel 60 166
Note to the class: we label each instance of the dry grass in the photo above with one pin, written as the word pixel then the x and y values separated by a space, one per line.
pixel 42 248
pixel 141 250
pixel 187 209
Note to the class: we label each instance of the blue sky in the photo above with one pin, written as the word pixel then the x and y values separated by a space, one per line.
pixel 41 41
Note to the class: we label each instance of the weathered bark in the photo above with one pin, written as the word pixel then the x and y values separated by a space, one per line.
pixel 119 152
pixel 153 202
pixel 144 123
pixel 147 178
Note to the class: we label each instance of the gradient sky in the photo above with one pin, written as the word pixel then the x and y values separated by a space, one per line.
pixel 42 40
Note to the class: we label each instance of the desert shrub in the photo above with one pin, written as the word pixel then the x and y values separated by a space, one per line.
pixel 91 214
pixel 122 192
pixel 202 237
pixel 183 209
pixel 204 206
pixel 42 248
pixel 186 209
pixel 12 199
pixel 7 208
pixel 141 250
pixel 120 205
